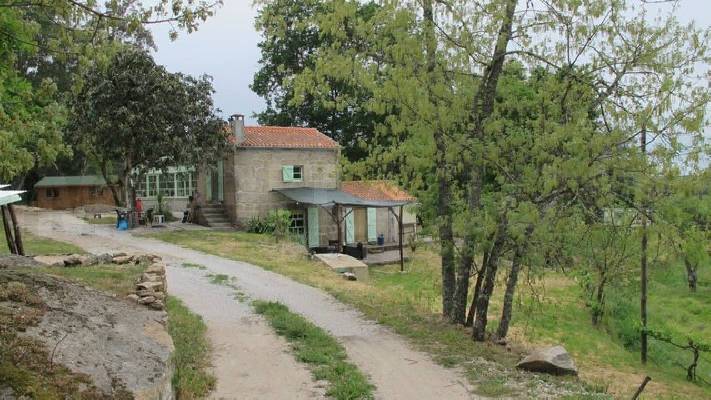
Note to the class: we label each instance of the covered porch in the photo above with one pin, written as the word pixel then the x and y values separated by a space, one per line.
pixel 337 221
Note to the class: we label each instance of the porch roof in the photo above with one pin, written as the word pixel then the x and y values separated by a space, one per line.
pixel 329 197
pixel 10 196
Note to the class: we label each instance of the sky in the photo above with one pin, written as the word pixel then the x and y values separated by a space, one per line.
pixel 225 47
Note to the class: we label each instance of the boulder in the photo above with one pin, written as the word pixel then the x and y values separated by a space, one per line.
pixel 155 286
pixel 147 300
pixel 122 259
pixel 156 268
pixel 551 360
pixel 133 297
pixel 157 305
pixel 350 276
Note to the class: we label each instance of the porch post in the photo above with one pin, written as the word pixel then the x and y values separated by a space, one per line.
pixel 8 233
pixel 337 213
pixel 399 233
pixel 18 235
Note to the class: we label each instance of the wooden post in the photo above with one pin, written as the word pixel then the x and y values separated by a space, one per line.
pixel 18 235
pixel 399 233
pixel 8 233
pixel 641 387
pixel 337 213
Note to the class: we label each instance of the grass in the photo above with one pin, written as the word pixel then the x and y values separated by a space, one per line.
pixel 313 346
pixel 112 278
pixel 37 245
pixel 192 379
pixel 548 310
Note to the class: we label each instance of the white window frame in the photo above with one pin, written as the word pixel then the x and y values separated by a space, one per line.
pixel 153 188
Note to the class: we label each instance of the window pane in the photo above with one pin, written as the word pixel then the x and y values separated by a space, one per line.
pixel 297 223
pixel 183 182
pixel 167 184
pixel 141 187
pixel 152 185
pixel 193 183
pixel 297 172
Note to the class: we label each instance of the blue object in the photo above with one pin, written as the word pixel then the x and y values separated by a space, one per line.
pixel 381 239
pixel 122 225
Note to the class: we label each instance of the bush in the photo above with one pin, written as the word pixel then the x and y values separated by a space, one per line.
pixel 280 219
pixel 259 225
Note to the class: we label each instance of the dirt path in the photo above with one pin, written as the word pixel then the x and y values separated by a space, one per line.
pixel 398 371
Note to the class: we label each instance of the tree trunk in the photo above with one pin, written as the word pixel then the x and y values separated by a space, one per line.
pixel 643 263
pixel 444 212
pixel 112 186
pixel 503 328
pixel 477 289
pixel 691 276
pixel 482 301
pixel 599 307
pixel 461 291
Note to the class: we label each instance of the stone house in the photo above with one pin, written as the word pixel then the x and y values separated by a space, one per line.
pixel 265 163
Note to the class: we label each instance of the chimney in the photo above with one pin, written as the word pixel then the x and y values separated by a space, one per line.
pixel 237 126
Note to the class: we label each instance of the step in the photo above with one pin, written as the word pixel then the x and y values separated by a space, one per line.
pixel 214 214
pixel 218 221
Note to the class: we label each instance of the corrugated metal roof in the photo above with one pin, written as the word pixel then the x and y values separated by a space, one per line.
pixel 82 180
pixel 329 197
pixel 10 196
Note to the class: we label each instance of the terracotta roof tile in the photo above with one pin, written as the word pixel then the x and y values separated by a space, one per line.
pixel 376 190
pixel 285 137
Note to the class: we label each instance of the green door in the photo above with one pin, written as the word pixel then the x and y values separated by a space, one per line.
pixel 350 226
pixel 312 222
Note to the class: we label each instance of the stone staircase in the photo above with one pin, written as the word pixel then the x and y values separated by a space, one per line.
pixel 215 216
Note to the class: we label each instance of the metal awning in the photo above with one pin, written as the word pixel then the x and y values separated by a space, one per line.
pixel 328 197
pixel 10 196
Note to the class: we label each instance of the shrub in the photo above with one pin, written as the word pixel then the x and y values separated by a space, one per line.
pixel 280 220
pixel 259 225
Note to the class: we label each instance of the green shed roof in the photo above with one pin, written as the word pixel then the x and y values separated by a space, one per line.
pixel 83 180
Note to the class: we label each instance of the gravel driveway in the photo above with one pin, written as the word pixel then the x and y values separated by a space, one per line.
pixel 397 370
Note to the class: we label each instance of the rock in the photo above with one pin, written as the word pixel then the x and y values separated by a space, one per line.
pixel 156 268
pixel 122 259
pixel 147 277
pixel 552 360
pixel 52 261
pixel 159 296
pixel 104 258
pixel 155 258
pixel 74 259
pixel 349 276
pixel 133 297
pixel 144 293
pixel 146 300
pixel 155 286
pixel 157 305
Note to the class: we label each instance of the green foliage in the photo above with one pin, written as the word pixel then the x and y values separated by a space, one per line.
pixel 279 219
pixel 258 224
pixel 313 346
pixel 293 39
pixel 136 113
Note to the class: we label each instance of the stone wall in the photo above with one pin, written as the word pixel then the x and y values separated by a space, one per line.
pixel 258 171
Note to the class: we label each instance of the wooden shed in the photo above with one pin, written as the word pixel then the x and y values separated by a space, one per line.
pixel 62 192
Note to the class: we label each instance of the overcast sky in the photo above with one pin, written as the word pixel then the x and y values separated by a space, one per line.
pixel 225 47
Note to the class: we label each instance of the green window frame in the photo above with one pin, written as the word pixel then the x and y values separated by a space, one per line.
pixel 292 173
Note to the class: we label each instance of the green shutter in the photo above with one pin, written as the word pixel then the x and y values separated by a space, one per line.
pixel 350 226
pixel 372 224
pixel 312 222
pixel 287 173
